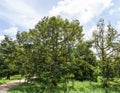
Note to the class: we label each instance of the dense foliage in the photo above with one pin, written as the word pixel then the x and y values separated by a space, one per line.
pixel 54 51
pixel 107 45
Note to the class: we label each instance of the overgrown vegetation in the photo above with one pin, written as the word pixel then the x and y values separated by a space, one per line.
pixel 55 51
pixel 79 87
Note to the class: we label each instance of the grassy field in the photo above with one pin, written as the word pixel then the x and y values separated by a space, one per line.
pixel 79 87
pixel 12 78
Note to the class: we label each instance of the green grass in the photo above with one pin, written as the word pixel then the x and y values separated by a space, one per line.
pixel 79 87
pixel 12 78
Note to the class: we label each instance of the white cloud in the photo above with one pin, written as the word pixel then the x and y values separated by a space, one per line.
pixel 118 27
pixel 11 31
pixel 84 10
pixel 113 11
pixel 20 13
pixel 1 37
pixel 88 34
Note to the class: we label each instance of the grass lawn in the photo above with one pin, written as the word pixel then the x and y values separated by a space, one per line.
pixel 79 87
pixel 12 78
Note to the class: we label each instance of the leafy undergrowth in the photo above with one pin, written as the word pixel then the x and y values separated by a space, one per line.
pixel 79 87
pixel 12 78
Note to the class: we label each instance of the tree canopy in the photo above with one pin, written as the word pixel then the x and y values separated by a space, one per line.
pixel 54 51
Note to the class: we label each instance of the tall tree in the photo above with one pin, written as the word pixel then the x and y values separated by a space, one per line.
pixel 85 62
pixel 52 39
pixel 7 57
pixel 24 54
pixel 104 40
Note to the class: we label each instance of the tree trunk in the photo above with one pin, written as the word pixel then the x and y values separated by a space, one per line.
pixel 8 75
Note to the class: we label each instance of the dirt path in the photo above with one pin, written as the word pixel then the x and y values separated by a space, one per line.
pixel 5 87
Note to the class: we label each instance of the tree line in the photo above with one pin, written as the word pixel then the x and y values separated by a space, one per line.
pixel 55 50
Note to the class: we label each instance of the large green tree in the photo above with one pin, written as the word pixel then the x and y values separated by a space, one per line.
pixel 85 62
pixel 52 39
pixel 7 55
pixel 105 38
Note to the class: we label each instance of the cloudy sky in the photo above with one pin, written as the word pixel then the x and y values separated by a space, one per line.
pixel 24 14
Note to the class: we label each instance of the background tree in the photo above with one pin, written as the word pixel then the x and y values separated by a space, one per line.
pixel 7 56
pixel 85 62
pixel 24 54
pixel 104 39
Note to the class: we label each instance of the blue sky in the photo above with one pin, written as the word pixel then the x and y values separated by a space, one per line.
pixel 21 15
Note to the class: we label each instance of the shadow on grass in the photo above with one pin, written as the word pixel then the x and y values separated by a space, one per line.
pixel 27 88
pixel 37 88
